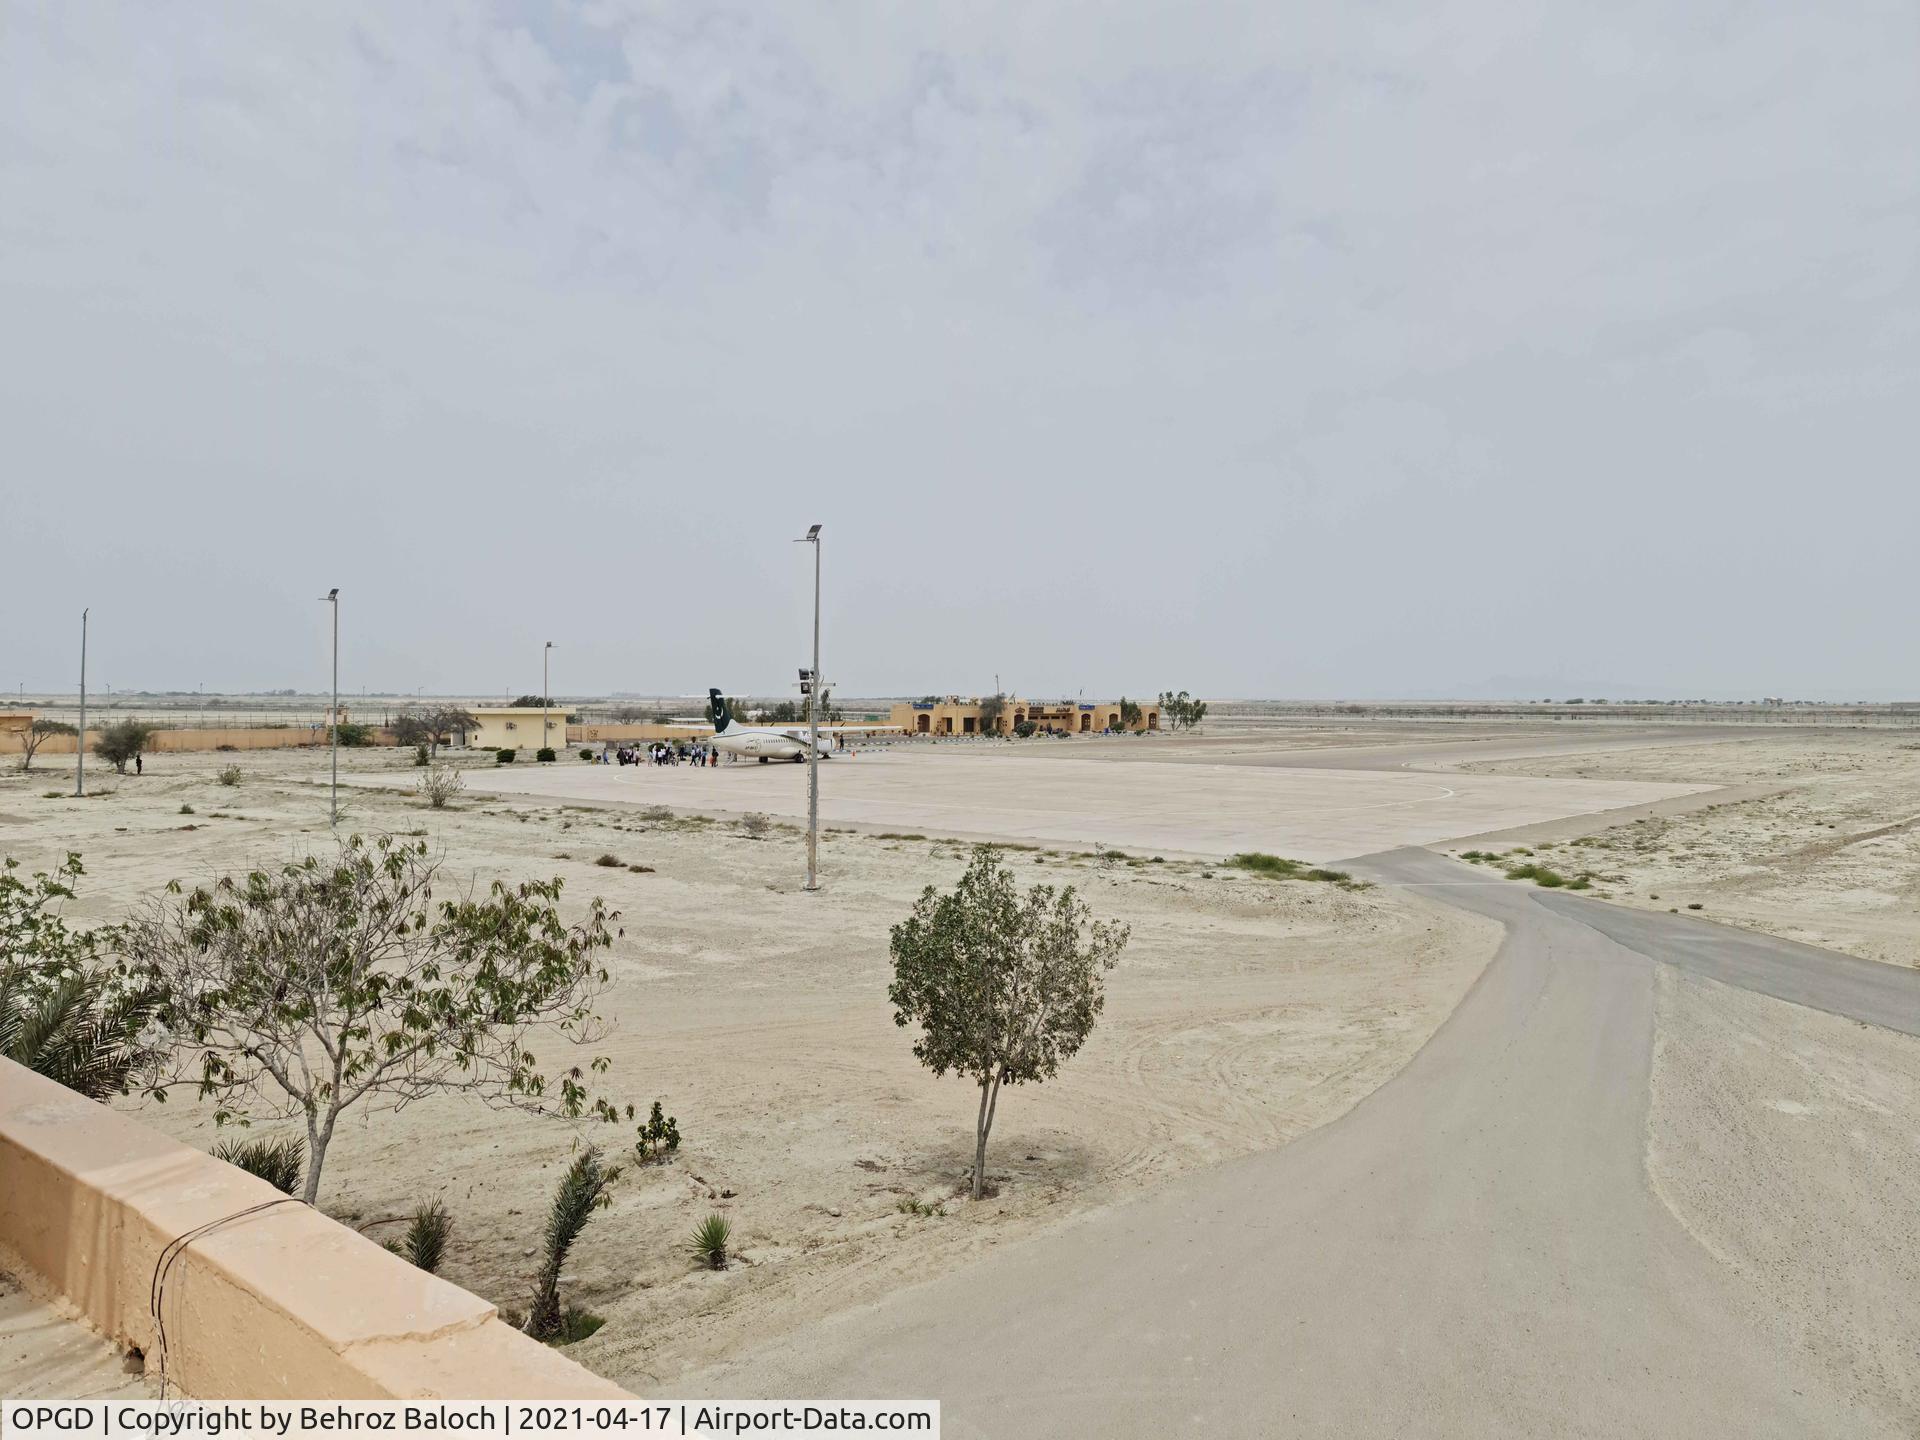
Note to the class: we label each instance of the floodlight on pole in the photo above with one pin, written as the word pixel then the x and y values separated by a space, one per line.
pixel 332 597
pixel 546 699
pixel 814 700
pixel 80 741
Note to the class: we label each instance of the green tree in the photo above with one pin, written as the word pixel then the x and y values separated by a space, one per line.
pixel 1130 714
pixel 305 990
pixel 121 741
pixel 65 1012
pixel 992 707
pixel 1003 986
pixel 1182 711
pixel 430 728
pixel 38 732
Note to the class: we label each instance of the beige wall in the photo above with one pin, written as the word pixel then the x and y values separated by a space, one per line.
pixel 594 734
pixel 167 742
pixel 282 1304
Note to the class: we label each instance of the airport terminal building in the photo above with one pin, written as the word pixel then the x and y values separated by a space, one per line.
pixel 954 715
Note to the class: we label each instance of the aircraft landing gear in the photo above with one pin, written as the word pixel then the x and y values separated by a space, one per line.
pixel 799 759
pixel 763 759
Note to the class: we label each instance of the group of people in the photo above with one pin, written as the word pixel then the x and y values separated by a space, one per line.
pixel 661 752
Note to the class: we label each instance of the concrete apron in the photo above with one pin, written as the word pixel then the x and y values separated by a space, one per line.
pixel 1474 1249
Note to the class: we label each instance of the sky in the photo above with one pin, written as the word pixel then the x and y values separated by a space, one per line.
pixel 1385 349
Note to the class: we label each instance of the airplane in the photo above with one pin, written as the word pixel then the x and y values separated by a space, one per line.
pixel 761 742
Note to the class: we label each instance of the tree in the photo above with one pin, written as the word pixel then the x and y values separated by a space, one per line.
pixel 1130 714
pixel 121 741
pixel 784 712
pixel 1004 986
pixel 991 709
pixel 1182 711
pixel 430 728
pixel 36 736
pixel 352 734
pixel 532 702
pixel 306 990
pixel 66 1013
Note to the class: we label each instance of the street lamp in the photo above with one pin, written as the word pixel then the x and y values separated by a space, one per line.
pixel 80 744
pixel 546 699
pixel 812 537
pixel 332 597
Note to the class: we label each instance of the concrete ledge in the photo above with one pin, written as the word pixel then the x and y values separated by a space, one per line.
pixel 282 1304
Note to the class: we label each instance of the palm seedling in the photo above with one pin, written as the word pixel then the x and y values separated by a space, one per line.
pixel 709 1242
pixel 583 1189
pixel 279 1162
pixel 425 1244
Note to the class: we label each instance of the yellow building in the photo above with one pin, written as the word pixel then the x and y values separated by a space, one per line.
pixel 518 728
pixel 957 716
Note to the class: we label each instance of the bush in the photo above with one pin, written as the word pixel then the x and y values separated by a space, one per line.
pixel 709 1243
pixel 612 862
pixel 279 1162
pixel 1024 729
pixel 186 810
pixel 1258 862
pixel 586 754
pixel 227 749
pixel 755 826
pixel 420 754
pixel 544 755
pixel 440 784
pixel 229 775
pixel 352 734
pixel 503 757
pixel 658 1138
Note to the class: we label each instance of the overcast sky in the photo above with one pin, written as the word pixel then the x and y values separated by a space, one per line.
pixel 1372 349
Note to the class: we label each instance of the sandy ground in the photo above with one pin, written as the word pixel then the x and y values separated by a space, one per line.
pixel 1787 1141
pixel 1245 1012
pixel 1036 793
pixel 48 1354
pixel 1825 850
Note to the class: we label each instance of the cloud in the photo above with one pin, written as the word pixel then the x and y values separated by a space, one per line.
pixel 1103 343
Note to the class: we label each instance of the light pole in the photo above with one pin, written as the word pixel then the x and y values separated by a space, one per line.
pixel 80 743
pixel 546 699
pixel 332 597
pixel 814 700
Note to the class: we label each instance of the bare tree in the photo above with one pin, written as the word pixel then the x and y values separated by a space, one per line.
pixel 307 990
pixel 37 735
pixel 431 728
pixel 1004 986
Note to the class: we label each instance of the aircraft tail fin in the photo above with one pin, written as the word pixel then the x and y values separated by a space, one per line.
pixel 722 712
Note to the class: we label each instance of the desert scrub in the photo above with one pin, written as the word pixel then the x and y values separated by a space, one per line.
pixel 611 862
pixel 440 784
pixel 1547 877
pixel 658 1138
pixel 228 775
pixel 1278 867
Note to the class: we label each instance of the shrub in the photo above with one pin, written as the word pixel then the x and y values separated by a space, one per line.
pixel 912 1206
pixel 352 734
pixel 1258 862
pixel 425 1244
pixel 586 754
pixel 440 784
pixel 229 775
pixel 420 754
pixel 755 826
pixel 280 1162
pixel 709 1243
pixel 1694 905
pixel 227 749
pixel 544 755
pixel 186 810
pixel 612 862
pixel 583 1190
pixel 658 1138
pixel 503 757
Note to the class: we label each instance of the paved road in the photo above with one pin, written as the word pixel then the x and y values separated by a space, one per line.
pixel 1473 1250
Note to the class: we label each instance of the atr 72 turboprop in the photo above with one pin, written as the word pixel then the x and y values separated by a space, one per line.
pixel 761 742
